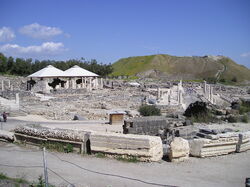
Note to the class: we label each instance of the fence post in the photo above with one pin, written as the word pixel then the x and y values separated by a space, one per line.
pixel 45 168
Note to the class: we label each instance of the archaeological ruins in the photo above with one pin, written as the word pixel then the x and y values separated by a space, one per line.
pixel 100 115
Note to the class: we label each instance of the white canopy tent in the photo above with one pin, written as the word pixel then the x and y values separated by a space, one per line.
pixel 73 78
pixel 47 72
pixel 77 71
pixel 87 78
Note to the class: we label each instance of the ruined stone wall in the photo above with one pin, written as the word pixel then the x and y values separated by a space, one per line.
pixel 145 125
pixel 145 148
pixel 11 94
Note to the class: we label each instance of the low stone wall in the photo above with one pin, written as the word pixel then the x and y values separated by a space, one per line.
pixel 11 94
pixel 145 148
pixel 35 134
pixel 6 135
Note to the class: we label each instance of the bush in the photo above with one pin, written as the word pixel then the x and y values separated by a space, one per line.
pixel 149 110
pixel 244 107
pixel 69 148
pixel 232 119
pixel 244 119
pixel 234 79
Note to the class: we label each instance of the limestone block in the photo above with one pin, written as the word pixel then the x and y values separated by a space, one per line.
pixel 244 142
pixel 146 148
pixel 179 149
pixel 6 135
pixel 206 147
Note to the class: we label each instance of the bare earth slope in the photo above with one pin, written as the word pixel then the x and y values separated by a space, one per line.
pixel 181 67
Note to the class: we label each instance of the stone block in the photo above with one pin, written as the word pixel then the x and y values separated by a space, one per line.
pixel 203 147
pixel 145 148
pixel 6 135
pixel 179 150
pixel 244 142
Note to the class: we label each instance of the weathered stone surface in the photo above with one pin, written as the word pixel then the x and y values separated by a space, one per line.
pixel 145 148
pixel 44 132
pixel 6 135
pixel 203 147
pixel 244 142
pixel 179 150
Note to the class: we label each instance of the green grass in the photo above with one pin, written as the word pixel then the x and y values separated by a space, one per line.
pixel 16 181
pixel 132 159
pixel 60 147
pixel 198 67
pixel 100 155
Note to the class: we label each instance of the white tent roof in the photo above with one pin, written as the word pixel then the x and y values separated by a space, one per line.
pixel 77 71
pixel 49 71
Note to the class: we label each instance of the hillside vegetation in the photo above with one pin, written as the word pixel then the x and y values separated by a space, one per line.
pixel 173 67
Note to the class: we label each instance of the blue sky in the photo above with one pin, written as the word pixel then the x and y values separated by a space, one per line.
pixel 112 29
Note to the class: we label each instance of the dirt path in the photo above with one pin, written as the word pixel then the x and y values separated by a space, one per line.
pixel 88 171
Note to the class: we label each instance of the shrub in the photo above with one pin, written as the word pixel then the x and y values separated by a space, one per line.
pixel 244 119
pixel 100 155
pixel 244 107
pixel 234 79
pixel 232 119
pixel 69 148
pixel 149 110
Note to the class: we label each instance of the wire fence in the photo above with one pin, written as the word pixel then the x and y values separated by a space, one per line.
pixel 71 184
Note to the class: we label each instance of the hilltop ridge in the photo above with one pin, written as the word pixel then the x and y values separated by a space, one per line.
pixel 187 68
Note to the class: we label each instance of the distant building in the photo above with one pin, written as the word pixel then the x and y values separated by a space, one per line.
pixel 51 78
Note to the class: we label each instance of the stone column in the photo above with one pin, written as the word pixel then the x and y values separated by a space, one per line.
pixel 101 84
pixel 208 93
pixel 205 88
pixel 211 95
pixel 178 93
pixel 9 85
pixel 90 84
pixel 17 98
pixel 85 82
pixel 2 85
pixel 180 99
pixel 82 83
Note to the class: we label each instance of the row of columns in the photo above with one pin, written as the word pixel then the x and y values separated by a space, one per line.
pixel 208 92
pixel 167 96
pixel 87 82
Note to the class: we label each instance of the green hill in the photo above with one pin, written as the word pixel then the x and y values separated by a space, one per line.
pixel 186 68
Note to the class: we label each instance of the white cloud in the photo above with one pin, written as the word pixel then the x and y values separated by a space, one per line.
pixel 46 49
pixel 36 30
pixel 245 54
pixel 6 34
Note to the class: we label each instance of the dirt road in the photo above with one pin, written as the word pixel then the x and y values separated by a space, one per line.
pixel 88 171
